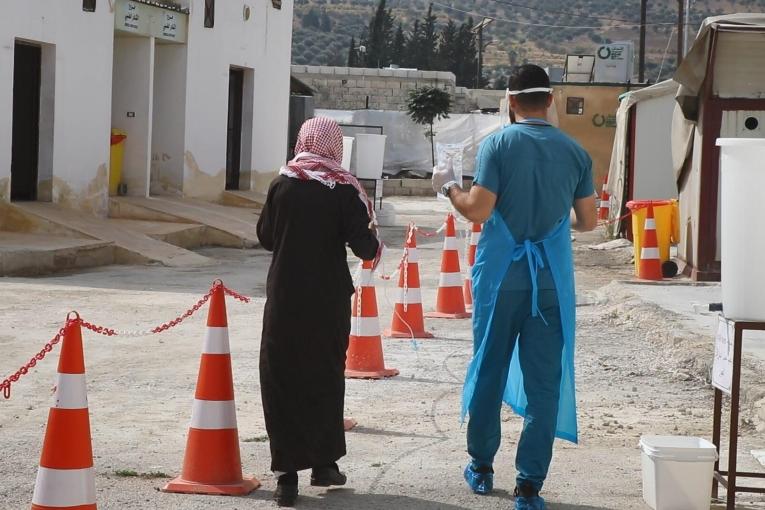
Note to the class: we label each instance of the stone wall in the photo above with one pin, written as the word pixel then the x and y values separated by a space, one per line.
pixel 344 88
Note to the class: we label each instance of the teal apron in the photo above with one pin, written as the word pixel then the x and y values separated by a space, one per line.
pixel 497 250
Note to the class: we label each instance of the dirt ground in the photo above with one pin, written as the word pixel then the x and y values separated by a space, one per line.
pixel 637 373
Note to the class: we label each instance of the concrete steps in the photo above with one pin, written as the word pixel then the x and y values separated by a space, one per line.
pixel 24 254
pixel 189 236
pixel 250 199
pixel 225 225
pixel 131 247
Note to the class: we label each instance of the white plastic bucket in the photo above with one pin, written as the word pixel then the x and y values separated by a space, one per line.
pixel 742 226
pixel 370 156
pixel 347 152
pixel 677 472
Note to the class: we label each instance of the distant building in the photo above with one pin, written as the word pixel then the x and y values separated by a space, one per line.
pixel 200 88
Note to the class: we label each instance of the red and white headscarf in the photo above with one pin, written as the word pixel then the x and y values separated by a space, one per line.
pixel 318 157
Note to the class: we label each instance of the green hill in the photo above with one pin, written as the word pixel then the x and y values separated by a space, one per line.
pixel 323 28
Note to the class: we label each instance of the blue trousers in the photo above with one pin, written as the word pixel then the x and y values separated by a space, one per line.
pixel 540 352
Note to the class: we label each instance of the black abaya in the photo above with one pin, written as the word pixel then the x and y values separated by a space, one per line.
pixel 306 321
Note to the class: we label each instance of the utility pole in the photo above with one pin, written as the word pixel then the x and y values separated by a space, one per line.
pixel 641 64
pixel 687 24
pixel 680 31
pixel 478 29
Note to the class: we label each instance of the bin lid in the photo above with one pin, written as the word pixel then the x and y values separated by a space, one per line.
pixel 741 142
pixel 678 448
pixel 115 139
pixel 634 205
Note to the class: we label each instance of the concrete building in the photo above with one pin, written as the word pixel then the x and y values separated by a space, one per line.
pixel 201 89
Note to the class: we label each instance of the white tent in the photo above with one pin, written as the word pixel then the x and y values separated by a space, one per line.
pixel 641 160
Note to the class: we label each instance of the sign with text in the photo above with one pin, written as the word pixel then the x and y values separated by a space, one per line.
pixel 150 21
pixel 722 367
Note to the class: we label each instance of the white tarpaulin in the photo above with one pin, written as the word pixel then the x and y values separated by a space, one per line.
pixel 618 171
pixel 407 148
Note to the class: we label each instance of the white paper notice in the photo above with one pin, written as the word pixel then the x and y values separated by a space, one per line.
pixel 722 368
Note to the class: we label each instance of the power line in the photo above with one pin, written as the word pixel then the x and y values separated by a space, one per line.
pixel 544 25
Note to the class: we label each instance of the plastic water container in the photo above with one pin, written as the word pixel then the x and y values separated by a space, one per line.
pixel 742 227
pixel 677 472
pixel 347 153
pixel 370 156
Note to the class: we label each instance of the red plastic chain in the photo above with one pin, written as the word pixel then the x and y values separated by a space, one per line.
pixel 5 386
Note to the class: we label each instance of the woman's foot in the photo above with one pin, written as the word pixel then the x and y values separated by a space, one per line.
pixel 349 423
pixel 286 490
pixel 327 476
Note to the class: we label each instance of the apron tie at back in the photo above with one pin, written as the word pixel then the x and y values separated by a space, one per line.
pixel 533 255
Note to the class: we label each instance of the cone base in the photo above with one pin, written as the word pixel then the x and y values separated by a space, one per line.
pixel 442 315
pixel 372 374
pixel 181 486
pixel 400 334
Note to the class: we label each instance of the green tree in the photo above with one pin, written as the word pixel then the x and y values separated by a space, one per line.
pixel 425 106
pixel 379 37
pixel 428 41
pixel 352 54
pixel 325 22
pixel 397 54
pixel 413 57
pixel 311 19
pixel 466 58
pixel 447 48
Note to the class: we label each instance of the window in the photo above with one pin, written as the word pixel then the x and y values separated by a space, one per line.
pixel 575 106
pixel 89 5
pixel 209 13
pixel 277 4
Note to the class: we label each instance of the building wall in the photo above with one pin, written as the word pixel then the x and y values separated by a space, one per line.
pixel 595 128
pixel 260 44
pixel 738 68
pixel 79 54
pixel 169 119
pixel 344 88
pixel 132 108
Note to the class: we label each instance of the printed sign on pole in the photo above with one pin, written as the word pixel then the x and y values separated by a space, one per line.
pixel 722 367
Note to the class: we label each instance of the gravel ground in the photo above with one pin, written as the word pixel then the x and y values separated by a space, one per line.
pixel 637 373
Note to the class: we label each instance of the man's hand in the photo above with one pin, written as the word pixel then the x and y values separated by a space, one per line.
pixel 443 175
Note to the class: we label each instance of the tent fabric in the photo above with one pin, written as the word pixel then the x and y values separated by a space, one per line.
pixel 407 148
pixel 617 172
pixel 693 70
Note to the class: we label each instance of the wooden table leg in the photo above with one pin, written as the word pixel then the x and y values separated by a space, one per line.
pixel 734 419
pixel 716 431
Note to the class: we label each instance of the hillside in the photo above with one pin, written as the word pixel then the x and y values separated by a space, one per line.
pixel 323 28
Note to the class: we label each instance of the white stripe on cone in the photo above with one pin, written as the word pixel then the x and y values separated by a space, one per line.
pixel 366 278
pixel 450 280
pixel 216 341
pixel 650 224
pixel 451 243
pixel 412 256
pixel 409 296
pixel 64 487
pixel 70 392
pixel 213 414
pixel 605 204
pixel 365 326
pixel 649 254
pixel 474 238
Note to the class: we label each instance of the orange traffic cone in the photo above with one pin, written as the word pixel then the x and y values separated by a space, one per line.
pixel 605 202
pixel 364 359
pixel 650 261
pixel 475 236
pixel 65 478
pixel 212 463
pixel 408 319
pixel 450 303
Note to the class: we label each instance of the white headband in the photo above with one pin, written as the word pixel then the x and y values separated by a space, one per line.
pixel 530 91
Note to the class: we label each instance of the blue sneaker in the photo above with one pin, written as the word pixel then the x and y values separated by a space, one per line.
pixel 532 503
pixel 479 478
pixel 527 498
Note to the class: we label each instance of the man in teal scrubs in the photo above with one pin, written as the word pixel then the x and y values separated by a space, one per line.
pixel 528 178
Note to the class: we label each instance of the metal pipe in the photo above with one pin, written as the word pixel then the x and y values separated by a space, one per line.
pixel 643 16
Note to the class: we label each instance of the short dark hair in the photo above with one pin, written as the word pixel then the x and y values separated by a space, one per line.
pixel 530 76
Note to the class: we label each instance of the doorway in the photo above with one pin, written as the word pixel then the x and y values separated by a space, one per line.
pixel 234 136
pixel 25 142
